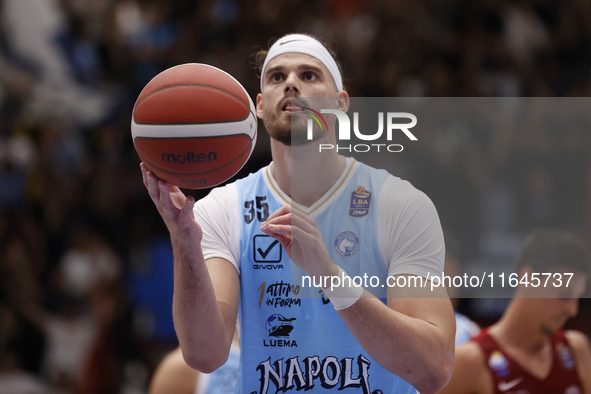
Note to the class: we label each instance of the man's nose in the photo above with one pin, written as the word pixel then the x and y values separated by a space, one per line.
pixel 572 306
pixel 292 83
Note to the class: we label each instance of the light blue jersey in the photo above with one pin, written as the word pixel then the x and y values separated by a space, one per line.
pixel 290 342
pixel 465 329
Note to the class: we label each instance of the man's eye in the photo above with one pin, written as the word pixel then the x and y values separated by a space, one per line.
pixel 276 77
pixel 309 76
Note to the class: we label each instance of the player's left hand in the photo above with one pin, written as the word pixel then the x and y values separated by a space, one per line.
pixel 301 239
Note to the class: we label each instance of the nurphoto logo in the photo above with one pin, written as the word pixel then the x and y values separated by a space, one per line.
pixel 392 124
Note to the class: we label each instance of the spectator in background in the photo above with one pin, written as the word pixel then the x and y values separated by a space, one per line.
pixel 22 319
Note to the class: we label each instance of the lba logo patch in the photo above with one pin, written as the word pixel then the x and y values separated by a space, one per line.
pixel 346 243
pixel 360 202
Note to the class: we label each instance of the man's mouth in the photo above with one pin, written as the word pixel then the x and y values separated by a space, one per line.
pixel 290 106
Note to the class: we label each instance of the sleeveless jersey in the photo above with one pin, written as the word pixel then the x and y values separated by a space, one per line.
pixel 289 340
pixel 509 377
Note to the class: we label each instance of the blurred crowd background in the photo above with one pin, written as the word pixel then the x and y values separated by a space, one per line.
pixel 85 260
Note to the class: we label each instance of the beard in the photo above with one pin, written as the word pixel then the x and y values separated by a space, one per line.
pixel 546 329
pixel 292 131
pixel 551 326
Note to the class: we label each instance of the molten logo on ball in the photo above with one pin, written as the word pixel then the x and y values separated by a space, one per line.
pixel 189 158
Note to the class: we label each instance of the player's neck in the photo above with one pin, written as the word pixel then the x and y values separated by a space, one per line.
pixel 313 173
pixel 516 330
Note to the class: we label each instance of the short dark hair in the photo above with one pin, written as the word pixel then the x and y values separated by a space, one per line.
pixel 258 56
pixel 548 249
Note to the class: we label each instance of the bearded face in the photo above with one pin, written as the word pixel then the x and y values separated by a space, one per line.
pixel 293 81
pixel 291 130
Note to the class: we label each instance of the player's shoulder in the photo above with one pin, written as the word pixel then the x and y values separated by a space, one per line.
pixel 471 352
pixel 173 375
pixel 175 359
pixel 217 196
pixel 578 341
pixel 470 373
pixel 252 175
pixel 395 186
pixel 470 364
pixel 403 194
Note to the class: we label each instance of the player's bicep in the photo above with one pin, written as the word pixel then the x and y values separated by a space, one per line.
pixel 409 232
pixel 470 375
pixel 431 306
pixel 226 283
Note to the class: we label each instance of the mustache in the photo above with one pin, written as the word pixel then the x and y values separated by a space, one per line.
pixel 298 102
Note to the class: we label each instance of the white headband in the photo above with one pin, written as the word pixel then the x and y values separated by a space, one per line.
pixel 310 46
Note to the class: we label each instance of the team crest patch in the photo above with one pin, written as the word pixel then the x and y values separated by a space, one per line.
pixel 346 243
pixel 565 356
pixel 497 361
pixel 360 202
pixel 572 389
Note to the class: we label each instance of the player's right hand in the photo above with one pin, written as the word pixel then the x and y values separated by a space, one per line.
pixel 300 237
pixel 175 208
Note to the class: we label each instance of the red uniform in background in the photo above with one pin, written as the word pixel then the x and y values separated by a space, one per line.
pixel 510 378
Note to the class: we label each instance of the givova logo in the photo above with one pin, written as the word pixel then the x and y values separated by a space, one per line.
pixel 345 130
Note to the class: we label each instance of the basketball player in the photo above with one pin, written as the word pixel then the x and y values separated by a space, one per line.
pixel 527 351
pixel 173 375
pixel 233 252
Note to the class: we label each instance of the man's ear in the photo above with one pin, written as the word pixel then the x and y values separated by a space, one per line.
pixel 343 101
pixel 260 106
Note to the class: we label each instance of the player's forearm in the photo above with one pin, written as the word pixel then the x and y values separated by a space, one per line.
pixel 417 351
pixel 198 321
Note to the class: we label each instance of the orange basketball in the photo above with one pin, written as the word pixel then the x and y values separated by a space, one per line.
pixel 194 126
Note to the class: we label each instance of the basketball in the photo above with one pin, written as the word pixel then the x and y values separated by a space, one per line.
pixel 194 126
